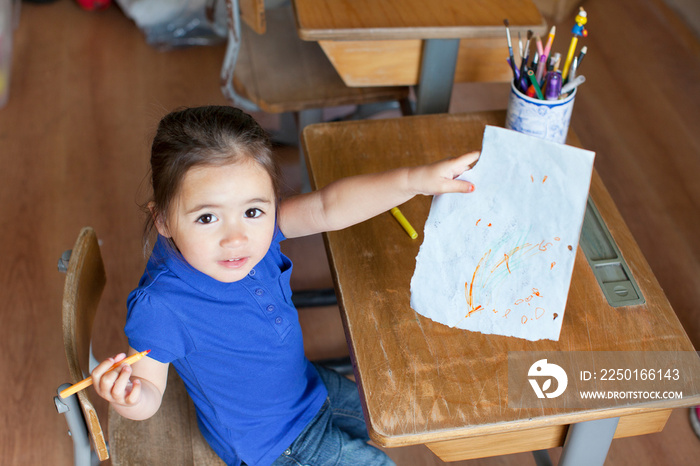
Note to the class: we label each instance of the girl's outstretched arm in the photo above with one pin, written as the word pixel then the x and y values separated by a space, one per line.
pixel 352 200
pixel 134 392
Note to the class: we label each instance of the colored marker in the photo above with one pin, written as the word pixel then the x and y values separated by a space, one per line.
pixel 520 47
pixel 403 222
pixel 578 30
pixel 517 73
pixel 85 383
pixel 535 84
pixel 525 57
pixel 523 83
pixel 535 62
pixel 552 85
pixel 572 73
pixel 573 84
pixel 545 54
pixel 582 54
pixel 554 62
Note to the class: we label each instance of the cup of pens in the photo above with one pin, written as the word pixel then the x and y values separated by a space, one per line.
pixel 546 119
pixel 542 95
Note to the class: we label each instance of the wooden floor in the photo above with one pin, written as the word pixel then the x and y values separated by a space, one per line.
pixel 87 92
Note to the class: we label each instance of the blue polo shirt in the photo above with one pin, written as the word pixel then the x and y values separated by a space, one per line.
pixel 237 347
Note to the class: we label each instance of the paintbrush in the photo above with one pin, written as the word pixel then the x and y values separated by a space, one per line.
pixel 510 49
pixel 525 56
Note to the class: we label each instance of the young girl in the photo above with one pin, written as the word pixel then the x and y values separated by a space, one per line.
pixel 215 299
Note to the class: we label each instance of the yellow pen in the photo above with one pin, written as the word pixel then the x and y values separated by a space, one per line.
pixel 404 223
pixel 85 383
pixel 577 31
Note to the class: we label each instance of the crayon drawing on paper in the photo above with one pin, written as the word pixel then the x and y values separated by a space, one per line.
pixel 499 260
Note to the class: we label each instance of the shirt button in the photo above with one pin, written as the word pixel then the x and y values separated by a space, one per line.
pixel 259 292
pixel 270 308
pixel 252 272
pixel 278 320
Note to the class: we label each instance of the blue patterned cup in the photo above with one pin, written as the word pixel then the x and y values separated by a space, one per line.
pixel 546 119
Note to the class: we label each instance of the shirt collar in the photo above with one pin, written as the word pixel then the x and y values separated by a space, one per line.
pixel 165 254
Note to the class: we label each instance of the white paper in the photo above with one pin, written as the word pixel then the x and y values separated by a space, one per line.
pixel 499 260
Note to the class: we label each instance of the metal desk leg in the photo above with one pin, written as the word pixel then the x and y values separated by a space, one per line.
pixel 437 74
pixel 305 118
pixel 83 454
pixel 587 443
pixel 542 458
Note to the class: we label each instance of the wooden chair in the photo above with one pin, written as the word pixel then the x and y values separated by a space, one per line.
pixel 85 281
pixel 267 67
pixel 170 437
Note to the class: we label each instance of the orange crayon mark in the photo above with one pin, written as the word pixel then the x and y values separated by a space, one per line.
pixel 477 222
pixel 552 266
pixel 469 287
pixel 543 246
pixel 532 178
pixel 506 258
pixel 544 179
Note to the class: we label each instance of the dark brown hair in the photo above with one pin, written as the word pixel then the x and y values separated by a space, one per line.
pixel 200 136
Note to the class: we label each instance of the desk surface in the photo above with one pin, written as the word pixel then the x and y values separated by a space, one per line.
pixel 413 19
pixel 424 382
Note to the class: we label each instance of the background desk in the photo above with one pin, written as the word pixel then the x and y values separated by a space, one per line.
pixel 409 42
pixel 423 382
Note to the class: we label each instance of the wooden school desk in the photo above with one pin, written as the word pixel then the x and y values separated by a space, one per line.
pixel 425 383
pixel 408 42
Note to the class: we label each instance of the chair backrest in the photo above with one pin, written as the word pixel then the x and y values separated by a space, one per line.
pixel 84 283
pixel 268 67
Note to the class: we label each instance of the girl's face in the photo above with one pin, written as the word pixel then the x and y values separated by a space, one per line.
pixel 223 219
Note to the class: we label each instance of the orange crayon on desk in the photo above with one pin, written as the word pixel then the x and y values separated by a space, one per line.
pixel 85 383
pixel 404 223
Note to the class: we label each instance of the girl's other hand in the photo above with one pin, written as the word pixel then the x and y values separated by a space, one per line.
pixel 116 386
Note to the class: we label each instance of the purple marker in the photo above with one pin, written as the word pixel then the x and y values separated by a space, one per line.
pixel 524 82
pixel 552 84
pixel 516 73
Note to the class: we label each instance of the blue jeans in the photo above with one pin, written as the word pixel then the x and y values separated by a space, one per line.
pixel 338 434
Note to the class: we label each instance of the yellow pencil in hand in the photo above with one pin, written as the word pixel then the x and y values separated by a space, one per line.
pixel 85 383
